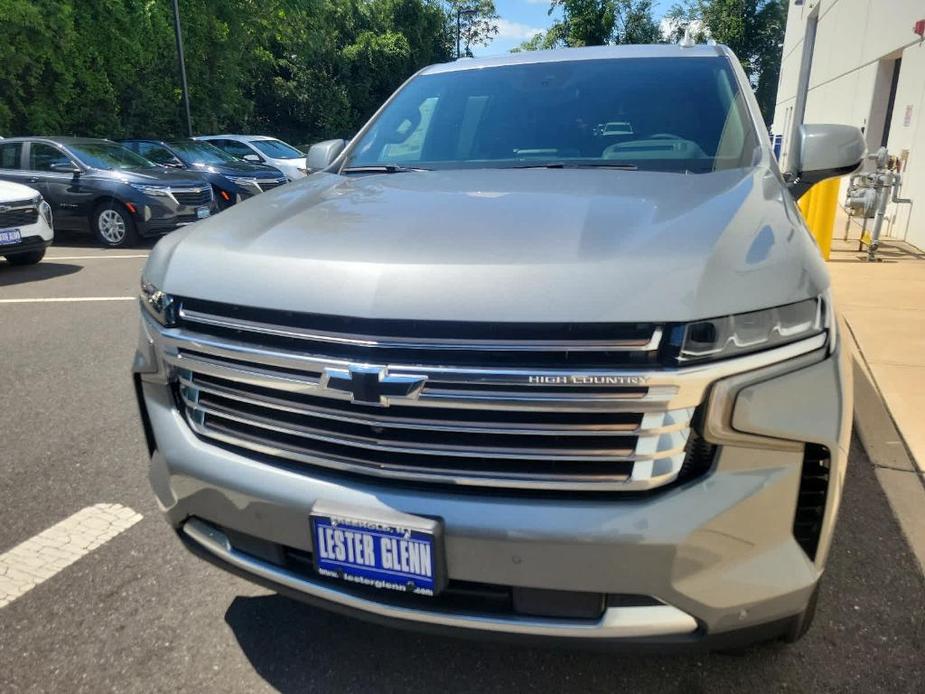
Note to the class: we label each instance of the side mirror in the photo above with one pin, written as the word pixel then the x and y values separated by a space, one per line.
pixel 826 151
pixel 65 167
pixel 255 158
pixel 322 154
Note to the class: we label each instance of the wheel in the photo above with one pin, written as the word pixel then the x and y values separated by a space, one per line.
pixel 801 623
pixel 113 225
pixel 30 258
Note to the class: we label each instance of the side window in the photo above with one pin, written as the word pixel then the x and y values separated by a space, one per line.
pixel 409 149
pixel 10 155
pixel 156 153
pixel 233 147
pixel 42 156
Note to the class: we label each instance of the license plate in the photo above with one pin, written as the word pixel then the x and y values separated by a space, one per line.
pixel 9 237
pixel 202 212
pixel 379 549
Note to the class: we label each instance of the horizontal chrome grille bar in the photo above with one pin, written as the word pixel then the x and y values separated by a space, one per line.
pixel 449 421
pixel 229 323
pixel 468 477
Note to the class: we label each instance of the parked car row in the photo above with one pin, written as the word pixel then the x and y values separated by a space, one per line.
pixel 123 191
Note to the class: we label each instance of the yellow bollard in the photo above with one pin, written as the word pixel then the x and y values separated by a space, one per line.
pixel 818 207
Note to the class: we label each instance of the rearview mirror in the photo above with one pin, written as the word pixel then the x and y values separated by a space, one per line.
pixel 256 158
pixel 65 167
pixel 825 151
pixel 322 154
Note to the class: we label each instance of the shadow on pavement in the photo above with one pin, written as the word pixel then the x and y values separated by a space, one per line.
pixel 45 270
pixel 869 635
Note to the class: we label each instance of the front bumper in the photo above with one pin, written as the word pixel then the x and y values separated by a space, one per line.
pixel 156 215
pixel 35 237
pixel 718 553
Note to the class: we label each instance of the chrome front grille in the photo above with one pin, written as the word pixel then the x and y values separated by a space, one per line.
pixel 268 183
pixel 423 406
pixel 193 197
pixel 18 214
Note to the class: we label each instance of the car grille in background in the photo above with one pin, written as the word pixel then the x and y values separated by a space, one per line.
pixel 193 197
pixel 497 408
pixel 267 183
pixel 23 213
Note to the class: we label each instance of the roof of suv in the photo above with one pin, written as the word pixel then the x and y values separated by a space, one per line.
pixel 661 50
pixel 237 137
pixel 66 140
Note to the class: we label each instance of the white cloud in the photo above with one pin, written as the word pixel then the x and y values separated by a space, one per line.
pixel 515 31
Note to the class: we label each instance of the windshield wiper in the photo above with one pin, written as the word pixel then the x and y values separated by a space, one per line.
pixel 577 165
pixel 381 168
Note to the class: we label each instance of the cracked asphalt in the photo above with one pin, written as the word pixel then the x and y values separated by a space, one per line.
pixel 140 614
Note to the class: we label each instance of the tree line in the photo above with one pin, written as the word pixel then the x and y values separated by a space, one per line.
pixel 304 70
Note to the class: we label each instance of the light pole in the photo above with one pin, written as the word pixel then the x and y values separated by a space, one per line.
pixel 176 24
pixel 459 13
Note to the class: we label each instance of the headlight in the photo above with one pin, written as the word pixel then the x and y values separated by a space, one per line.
pixel 732 336
pixel 247 183
pixel 158 304
pixel 45 211
pixel 151 190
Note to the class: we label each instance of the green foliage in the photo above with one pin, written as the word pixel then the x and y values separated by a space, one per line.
pixel 478 28
pixel 753 29
pixel 598 23
pixel 302 69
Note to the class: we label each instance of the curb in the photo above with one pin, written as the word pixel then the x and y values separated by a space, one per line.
pixel 901 480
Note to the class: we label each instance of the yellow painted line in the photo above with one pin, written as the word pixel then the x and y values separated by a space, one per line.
pixel 41 557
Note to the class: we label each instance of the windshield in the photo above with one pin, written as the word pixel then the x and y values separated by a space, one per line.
pixel 195 152
pixel 665 114
pixel 109 156
pixel 277 149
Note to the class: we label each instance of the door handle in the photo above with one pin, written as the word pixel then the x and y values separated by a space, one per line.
pixel 34 179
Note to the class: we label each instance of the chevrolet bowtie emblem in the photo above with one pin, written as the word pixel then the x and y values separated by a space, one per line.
pixel 372 385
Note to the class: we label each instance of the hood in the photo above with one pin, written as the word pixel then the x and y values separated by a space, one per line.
pixel 242 168
pixel 505 245
pixel 15 192
pixel 160 176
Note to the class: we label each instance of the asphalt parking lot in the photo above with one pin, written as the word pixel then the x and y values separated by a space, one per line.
pixel 137 613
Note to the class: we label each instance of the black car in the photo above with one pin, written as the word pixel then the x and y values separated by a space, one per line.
pixel 232 179
pixel 100 186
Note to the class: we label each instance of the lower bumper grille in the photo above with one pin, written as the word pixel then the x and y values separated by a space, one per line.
pixel 814 488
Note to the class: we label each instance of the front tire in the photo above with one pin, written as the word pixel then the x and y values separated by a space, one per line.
pixel 113 225
pixel 30 258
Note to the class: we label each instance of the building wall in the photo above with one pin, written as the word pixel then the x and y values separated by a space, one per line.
pixel 856 44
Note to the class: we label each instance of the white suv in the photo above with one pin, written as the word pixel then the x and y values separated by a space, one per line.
pixel 261 149
pixel 25 224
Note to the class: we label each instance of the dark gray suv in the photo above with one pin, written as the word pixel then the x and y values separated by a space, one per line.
pixel 100 186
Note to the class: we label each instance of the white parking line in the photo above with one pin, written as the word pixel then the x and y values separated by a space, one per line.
pixel 68 299
pixel 41 557
pixel 93 257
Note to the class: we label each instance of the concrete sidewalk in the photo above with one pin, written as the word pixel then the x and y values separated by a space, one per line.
pixel 884 305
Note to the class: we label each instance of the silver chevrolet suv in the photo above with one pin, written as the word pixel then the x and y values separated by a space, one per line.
pixel 502 368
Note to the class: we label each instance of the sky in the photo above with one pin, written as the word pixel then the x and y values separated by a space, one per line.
pixel 521 19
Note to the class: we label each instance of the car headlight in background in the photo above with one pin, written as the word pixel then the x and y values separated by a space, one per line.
pixel 158 304
pixel 247 183
pixel 162 191
pixel 743 333
pixel 45 211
